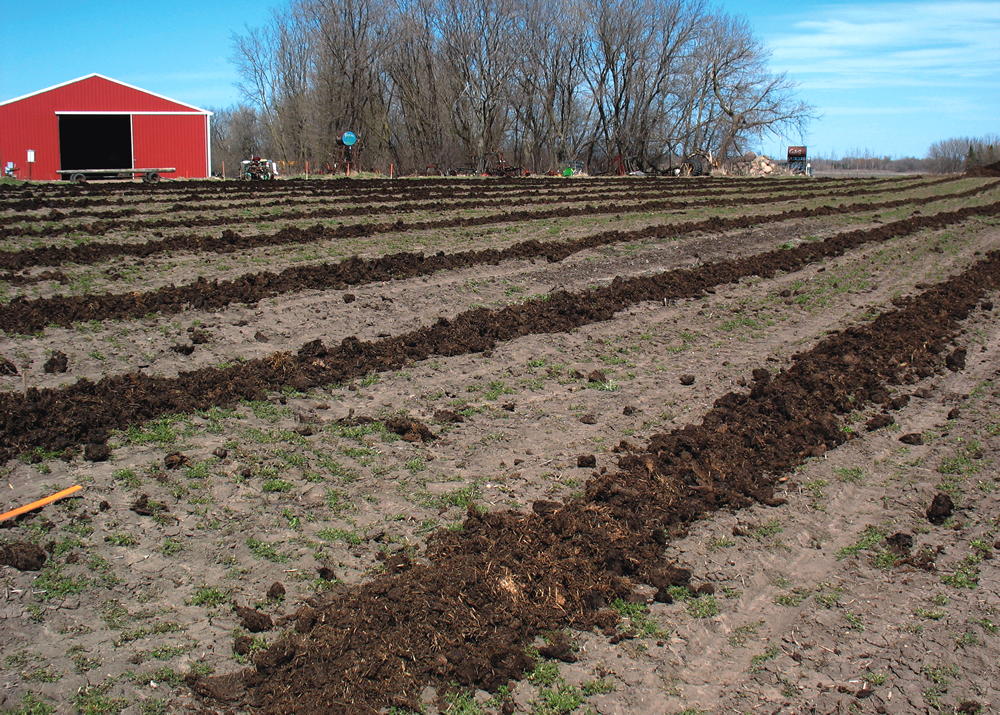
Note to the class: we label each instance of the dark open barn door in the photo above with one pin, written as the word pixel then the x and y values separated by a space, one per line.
pixel 95 141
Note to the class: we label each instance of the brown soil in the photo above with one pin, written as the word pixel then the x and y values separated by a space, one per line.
pixel 987 170
pixel 24 316
pixel 539 565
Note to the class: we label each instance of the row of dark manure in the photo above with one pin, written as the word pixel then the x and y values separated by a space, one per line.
pixel 56 224
pixel 411 198
pixel 466 613
pixel 23 315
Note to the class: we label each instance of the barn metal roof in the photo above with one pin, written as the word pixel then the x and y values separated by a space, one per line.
pixel 195 109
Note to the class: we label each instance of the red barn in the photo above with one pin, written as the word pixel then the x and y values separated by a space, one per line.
pixel 99 123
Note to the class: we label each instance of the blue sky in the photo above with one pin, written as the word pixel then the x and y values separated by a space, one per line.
pixel 890 77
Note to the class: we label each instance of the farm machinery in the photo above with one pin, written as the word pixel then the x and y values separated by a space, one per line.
pixel 257 169
pixel 696 164
pixel 496 165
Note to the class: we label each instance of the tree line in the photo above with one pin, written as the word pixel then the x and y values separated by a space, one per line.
pixel 615 84
pixel 964 153
pixel 950 156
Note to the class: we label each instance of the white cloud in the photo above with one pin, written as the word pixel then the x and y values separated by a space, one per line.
pixel 907 44
pixel 869 111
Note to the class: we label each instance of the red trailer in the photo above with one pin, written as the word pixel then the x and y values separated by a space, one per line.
pixel 95 123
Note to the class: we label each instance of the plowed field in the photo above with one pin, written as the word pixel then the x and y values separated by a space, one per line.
pixel 468 446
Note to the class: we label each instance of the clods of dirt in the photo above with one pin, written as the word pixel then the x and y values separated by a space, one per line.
pixel 395 563
pixel 900 544
pixel 897 403
pixel 23 556
pixel 280 654
pixel 940 509
pixel 97 452
pixel 666 578
pixel 924 558
pixel 560 648
pixel 410 430
pixel 253 620
pixel 242 645
pixel 58 362
pixel 176 460
pixel 481 595
pixel 879 421
pixel 448 417
pixel 956 360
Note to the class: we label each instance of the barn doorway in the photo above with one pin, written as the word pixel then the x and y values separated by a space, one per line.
pixel 95 141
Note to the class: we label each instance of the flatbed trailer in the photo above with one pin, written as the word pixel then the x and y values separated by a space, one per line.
pixel 150 176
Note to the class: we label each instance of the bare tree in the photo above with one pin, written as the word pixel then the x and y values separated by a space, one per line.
pixel 274 63
pixel 480 59
pixel 638 53
pixel 346 78
pixel 549 110
pixel 952 156
pixel 452 81
pixel 237 134
pixel 753 102
pixel 421 97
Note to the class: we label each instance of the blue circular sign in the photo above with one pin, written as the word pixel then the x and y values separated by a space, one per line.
pixel 348 138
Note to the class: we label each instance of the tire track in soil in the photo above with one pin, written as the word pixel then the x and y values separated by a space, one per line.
pixel 466 615
pixel 23 316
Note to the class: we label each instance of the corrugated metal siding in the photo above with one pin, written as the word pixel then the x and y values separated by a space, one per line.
pixel 170 140
pixel 30 128
pixel 31 123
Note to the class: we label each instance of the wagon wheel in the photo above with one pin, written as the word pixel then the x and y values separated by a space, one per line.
pixel 150 177
pixel 78 178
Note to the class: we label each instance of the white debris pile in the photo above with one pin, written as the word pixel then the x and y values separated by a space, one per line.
pixel 751 164
pixel 757 165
